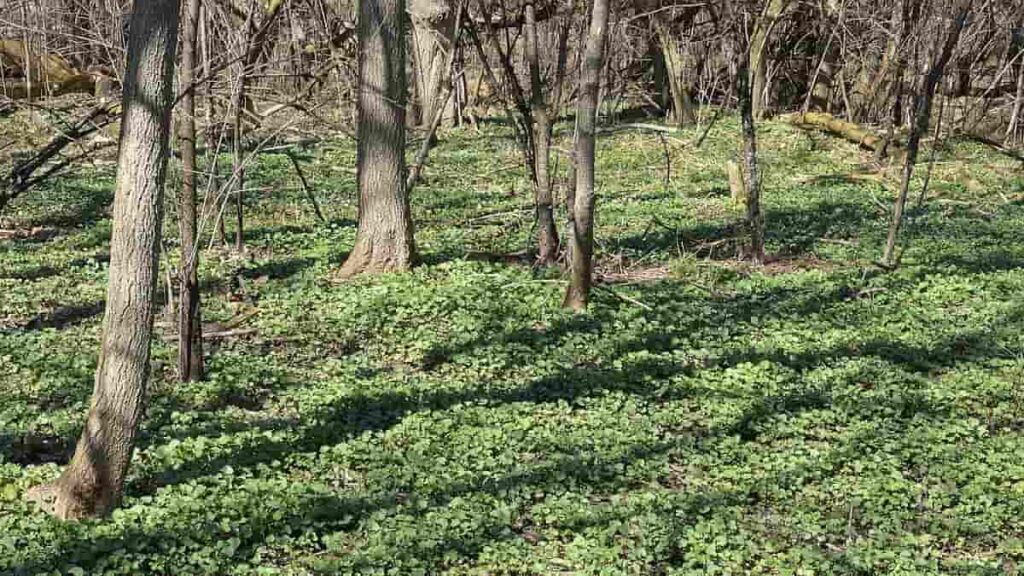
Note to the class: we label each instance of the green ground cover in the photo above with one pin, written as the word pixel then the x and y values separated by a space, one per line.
pixel 813 417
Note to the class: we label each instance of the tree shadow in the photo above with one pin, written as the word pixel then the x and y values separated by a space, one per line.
pixel 34 448
pixel 327 511
pixel 278 269
pixel 63 317
pixel 77 207
pixel 793 231
pixel 31 274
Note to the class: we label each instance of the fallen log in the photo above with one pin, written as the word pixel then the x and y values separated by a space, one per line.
pixel 849 131
pixel 27 74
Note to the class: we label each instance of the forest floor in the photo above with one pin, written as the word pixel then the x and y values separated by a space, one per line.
pixel 704 417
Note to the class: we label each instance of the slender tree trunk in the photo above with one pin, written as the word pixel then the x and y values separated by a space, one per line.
pixel 582 248
pixel 238 163
pixel 1018 105
pixel 190 331
pixel 752 171
pixel 922 116
pixel 547 233
pixel 384 240
pixel 759 53
pixel 93 482
pixel 237 129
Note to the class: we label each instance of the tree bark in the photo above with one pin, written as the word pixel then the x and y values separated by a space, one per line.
pixel 433 37
pixel 1016 50
pixel 92 484
pixel 922 116
pixel 547 233
pixel 384 240
pixel 682 103
pixel 752 172
pixel 190 331
pixel 582 238
pixel 237 127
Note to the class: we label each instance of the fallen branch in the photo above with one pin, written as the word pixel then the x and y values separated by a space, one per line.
pixel 229 334
pixel 993 144
pixel 25 174
pixel 634 126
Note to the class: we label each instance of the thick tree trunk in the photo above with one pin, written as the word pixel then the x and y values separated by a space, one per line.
pixel 582 238
pixel 682 103
pixel 384 240
pixel 547 233
pixel 451 88
pixel 433 37
pixel 92 483
pixel 190 335
pixel 662 90
pixel 922 116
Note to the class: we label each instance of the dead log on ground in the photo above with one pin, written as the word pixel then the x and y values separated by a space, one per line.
pixel 849 131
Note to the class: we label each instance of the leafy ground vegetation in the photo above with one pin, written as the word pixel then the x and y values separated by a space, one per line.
pixel 815 416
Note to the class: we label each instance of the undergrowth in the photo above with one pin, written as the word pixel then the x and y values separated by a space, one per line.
pixel 815 416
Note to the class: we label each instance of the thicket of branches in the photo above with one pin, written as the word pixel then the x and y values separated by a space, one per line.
pixel 858 59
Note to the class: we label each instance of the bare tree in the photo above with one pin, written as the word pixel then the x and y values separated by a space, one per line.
pixel 93 482
pixel 190 331
pixel 751 165
pixel 547 233
pixel 384 240
pixel 582 238
pixel 922 117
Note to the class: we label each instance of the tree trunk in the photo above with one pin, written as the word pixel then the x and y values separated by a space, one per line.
pixel 755 219
pixel 252 50
pixel 92 484
pixel 819 96
pixel 237 127
pixel 238 162
pixel 682 104
pixel 759 53
pixel 547 233
pixel 190 335
pixel 1016 50
pixel 922 116
pixel 384 240
pixel 582 239
pixel 659 70
pixel 433 37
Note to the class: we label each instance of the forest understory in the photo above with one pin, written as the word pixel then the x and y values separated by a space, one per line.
pixel 816 415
